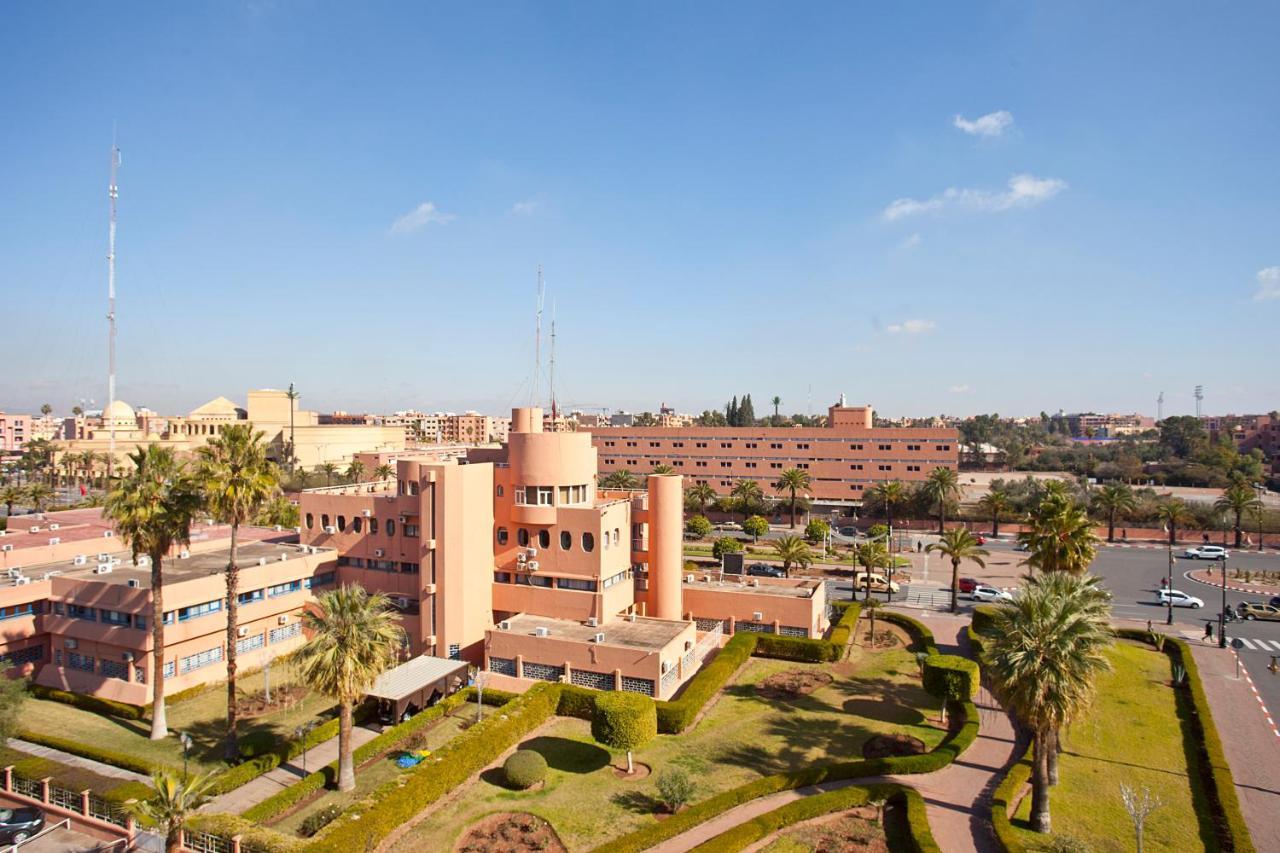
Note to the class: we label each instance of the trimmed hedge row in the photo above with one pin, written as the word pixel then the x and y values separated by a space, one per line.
pixel 1002 801
pixel 946 752
pixel 252 837
pixel 950 677
pixel 84 750
pixel 797 648
pixel 108 707
pixel 984 616
pixel 907 835
pixel 921 636
pixel 677 715
pixel 843 629
pixel 397 801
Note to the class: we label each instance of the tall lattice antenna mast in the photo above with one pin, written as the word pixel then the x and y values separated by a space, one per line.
pixel 1160 407
pixel 537 344
pixel 1199 398
pixel 113 192
pixel 552 379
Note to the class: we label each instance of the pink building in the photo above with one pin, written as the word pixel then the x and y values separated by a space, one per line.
pixel 15 431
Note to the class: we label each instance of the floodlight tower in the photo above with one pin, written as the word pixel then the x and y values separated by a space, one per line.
pixel 112 192
pixel 1199 398
pixel 1160 407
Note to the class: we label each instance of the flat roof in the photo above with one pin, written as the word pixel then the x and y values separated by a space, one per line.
pixel 739 584
pixel 413 675
pixel 644 633
pixel 198 565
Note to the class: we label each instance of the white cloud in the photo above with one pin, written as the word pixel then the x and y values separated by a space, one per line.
pixel 911 242
pixel 1268 284
pixel 959 389
pixel 911 327
pixel 1023 191
pixel 524 208
pixel 991 124
pixel 424 214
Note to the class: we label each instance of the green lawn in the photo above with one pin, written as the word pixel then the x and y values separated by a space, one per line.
pixel 741 738
pixel 62 775
pixel 202 716
pixel 1131 735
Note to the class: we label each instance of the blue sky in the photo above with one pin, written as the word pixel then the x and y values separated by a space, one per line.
pixel 932 207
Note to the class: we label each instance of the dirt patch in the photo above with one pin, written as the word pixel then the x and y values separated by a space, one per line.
pixel 854 831
pixel 888 635
pixel 510 832
pixel 641 771
pixel 886 746
pixel 256 704
pixel 793 683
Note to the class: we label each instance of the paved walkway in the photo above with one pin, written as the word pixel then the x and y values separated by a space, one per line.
pixel 76 761
pixel 268 784
pixel 1248 738
pixel 956 797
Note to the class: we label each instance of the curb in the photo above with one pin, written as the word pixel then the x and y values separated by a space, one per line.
pixel 1245 589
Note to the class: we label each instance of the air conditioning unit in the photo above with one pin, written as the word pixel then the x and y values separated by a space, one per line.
pixel 103 569
pixel 242 631
pixel 134 583
pixel 104 557
pixel 297 530
pixel 378 552
pixel 107 534
pixel 758 616
pixel 15 572
pixel 35 528
pixel 54 526
pixel 184 554
pixel 284 557
pixel 504 625
pixel 520 556
pixel 531 565
pixel 689 578
pixel 55 540
pixel 666 667
pixel 541 632
pixel 368 513
pixel 21 581
pixel 402 602
pixel 128 656
pixel 755 581
pixel 303 549
pixel 143 560
pixel 592 621
pixel 329 528
pixel 79 560
pixel 284 619
pixel 403 517
pixel 52 574
pixel 262 561
pixel 279 528
pixel 598 638
pixel 70 644
pixel 531 552
pixel 631 617
pixel 6 548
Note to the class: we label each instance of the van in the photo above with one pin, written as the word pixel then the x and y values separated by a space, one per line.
pixel 879 583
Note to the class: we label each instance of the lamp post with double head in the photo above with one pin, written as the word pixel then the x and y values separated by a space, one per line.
pixel 1168 587
pixel 1222 616
pixel 185 740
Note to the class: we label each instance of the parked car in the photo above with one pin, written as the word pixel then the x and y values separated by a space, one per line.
pixel 1250 610
pixel 982 540
pixel 19 824
pixel 1022 546
pixel 1206 552
pixel 879 583
pixel 967 585
pixel 1179 599
pixel 848 531
pixel 989 593
pixel 764 570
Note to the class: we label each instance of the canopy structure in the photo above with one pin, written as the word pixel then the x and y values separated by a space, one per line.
pixel 418 683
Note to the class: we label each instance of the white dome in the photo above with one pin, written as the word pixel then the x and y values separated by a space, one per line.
pixel 120 411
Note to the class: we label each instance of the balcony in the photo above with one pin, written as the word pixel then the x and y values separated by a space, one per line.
pixel 530 514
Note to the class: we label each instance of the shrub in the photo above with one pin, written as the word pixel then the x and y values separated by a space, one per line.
pixel 1002 801
pixel 755 526
pixel 106 756
pixel 675 788
pixel 252 837
pixel 524 769
pixel 94 704
pixel 797 649
pixel 921 636
pixel 725 545
pixel 950 677
pixel 843 629
pixel 677 715
pixel 624 721
pixel 699 525
pixel 318 820
pixel 984 617
pixel 816 530
pixel 577 702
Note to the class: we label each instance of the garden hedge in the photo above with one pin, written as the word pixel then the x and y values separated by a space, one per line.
pixel 252 837
pixel 93 704
pixel 624 720
pixel 524 768
pixel 580 702
pixel 921 636
pixel 84 750
pixel 984 617
pixel 797 649
pixel 843 629
pixel 677 715
pixel 1002 802
pixel 950 677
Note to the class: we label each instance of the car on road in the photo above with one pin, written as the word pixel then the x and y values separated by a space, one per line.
pixel 1206 552
pixel 1022 546
pixel 1180 599
pixel 848 531
pixel 879 583
pixel 982 540
pixel 1275 601
pixel 967 585
pixel 989 593
pixel 19 824
pixel 1250 610
pixel 764 570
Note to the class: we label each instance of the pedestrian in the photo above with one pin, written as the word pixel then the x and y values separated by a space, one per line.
pixel 1206 538
pixel 919 546
pixel 1148 626
pixel 1124 534
pixel 1208 631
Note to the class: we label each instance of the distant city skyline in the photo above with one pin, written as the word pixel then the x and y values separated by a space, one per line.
pixel 939 209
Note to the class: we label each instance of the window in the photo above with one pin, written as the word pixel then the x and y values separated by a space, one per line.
pixel 140 622
pixel 248 644
pixel 196 661
pixel 616 579
pixel 502 577
pixel 284 588
pixel 653 444
pixel 855 447
pixel 79 611
pixel 616 536
pixel 544 538
pixel 576 584
pixel 533 580
pixel 410 568
pixel 522 537
pixel 543 495
pixel 75 660
pixel 195 611
pixel 357 524
pixel 311 521
pixel 20 610
pixel 588 542
pixel 884 447
pixel 502 536
pixel 519 495
pixel 249 597
pixel 498 491
pixel 322 579
pixel 391 527
pixel 411 531
pixel 566 540
pixel 114 617
pixel 31 654
pixel 342 524
pixel 373 525
pixel 285 632
pixel 324 519
pixel 726 445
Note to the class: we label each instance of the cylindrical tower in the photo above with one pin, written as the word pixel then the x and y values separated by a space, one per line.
pixel 666 541
pixel 526 419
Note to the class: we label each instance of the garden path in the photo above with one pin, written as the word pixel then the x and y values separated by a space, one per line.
pixel 76 761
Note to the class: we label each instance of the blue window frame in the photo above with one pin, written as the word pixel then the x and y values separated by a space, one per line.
pixel 284 588
pixel 195 611
pixel 249 597
pixel 30 609
pixel 79 611
pixel 314 581
pixel 114 617
pixel 201 659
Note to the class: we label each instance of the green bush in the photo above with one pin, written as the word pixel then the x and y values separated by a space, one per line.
pixel 1002 802
pixel 950 677
pixel 524 768
pixel 921 636
pixel 577 702
pixel 677 715
pixel 755 526
pixel 984 617
pixel 107 707
pixel 106 756
pixel 624 721
pixel 318 820
pixel 253 838
pixel 675 788
pixel 797 648
pixel 699 525
pixel 725 545
pixel 844 626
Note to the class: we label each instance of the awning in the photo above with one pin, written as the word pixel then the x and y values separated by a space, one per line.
pixel 413 675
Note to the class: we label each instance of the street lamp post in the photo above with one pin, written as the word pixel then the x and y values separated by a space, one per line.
pixel 185 740
pixel 1262 491
pixel 1222 617
pixel 1169 587
pixel 301 733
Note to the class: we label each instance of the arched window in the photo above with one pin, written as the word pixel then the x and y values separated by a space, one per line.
pixel 588 542
pixel 522 537
pixel 342 524
pixel 373 525
pixel 566 540
pixel 499 492
pixel 604 540
pixel 357 524
pixel 311 521
pixel 502 536
pixel 544 538
pixel 324 519
pixel 616 537
pixel 391 527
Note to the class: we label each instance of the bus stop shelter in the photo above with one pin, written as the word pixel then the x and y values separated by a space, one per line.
pixel 416 684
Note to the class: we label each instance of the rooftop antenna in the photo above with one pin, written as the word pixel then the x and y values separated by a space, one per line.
pixel 1199 398
pixel 113 192
pixel 537 343
pixel 1160 407
pixel 552 379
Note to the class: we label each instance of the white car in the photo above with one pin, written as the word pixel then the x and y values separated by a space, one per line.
pixel 1206 552
pixel 989 593
pixel 1179 599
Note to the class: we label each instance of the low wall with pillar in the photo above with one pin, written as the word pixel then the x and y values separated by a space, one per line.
pixel 79 807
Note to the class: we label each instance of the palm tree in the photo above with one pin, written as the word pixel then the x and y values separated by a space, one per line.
pixel 792 550
pixel 355 470
pixel 871 556
pixel 152 508
pixel 623 479
pixel 1237 499
pixel 748 494
pixel 1173 513
pixel 1115 500
pixel 39 495
pixel 46 410
pixel 237 480
pixel 330 471
pixel 10 495
pixel 777 401
pixel 889 494
pixel 943 485
pixel 173 800
pixel 301 476
pixel 870 606
pixel 355 637
pixel 77 411
pixel 792 480
pixel 663 469
pixel 384 472
pixel 1043 656
pixel 958 545
pixel 700 494
pixel 1060 538
pixel 68 463
pixel 995 504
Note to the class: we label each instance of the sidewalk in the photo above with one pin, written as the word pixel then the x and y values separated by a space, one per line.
pixel 76 761
pixel 246 796
pixel 1248 739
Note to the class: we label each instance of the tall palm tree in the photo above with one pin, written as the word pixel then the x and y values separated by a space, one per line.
pixel 777 402
pixel 957 546
pixel 1114 500
pixel 355 637
pixel 663 469
pixel 1173 513
pixel 623 479
pixel 300 478
pixel 10 495
pixel 384 472
pixel 748 494
pixel 237 480
pixel 942 486
pixel 889 494
pixel 39 494
pixel 700 494
pixel 792 550
pixel 355 470
pixel 1059 538
pixel 152 508
pixel 871 556
pixel 173 800
pixel 330 471
pixel 1237 499
pixel 792 480
pixel 1043 656
pixel 68 463
pixel 995 504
